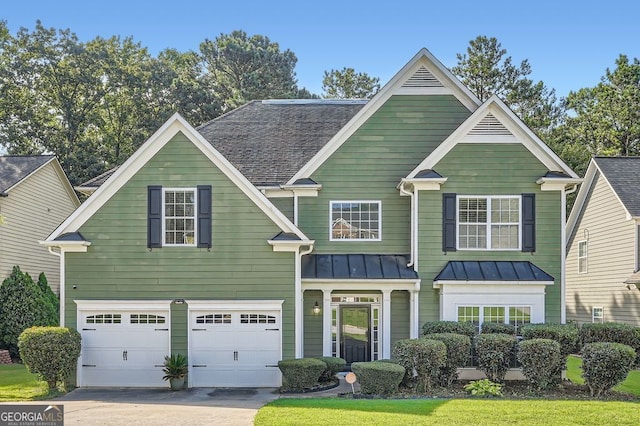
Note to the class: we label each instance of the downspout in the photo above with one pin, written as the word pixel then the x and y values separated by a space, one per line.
pixel 62 283
pixel 412 222
pixel 299 302
pixel 563 253
pixel 295 208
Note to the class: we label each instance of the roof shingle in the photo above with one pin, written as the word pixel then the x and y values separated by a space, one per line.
pixel 15 168
pixel 623 173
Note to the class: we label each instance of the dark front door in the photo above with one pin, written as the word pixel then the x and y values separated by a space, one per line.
pixel 354 333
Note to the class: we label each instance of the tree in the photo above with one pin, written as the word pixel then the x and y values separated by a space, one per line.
pixel 242 68
pixel 347 84
pixel 486 71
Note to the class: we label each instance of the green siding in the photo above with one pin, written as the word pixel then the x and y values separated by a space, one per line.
pixel 370 164
pixel 489 169
pixel 312 324
pixel 285 205
pixel 399 316
pixel 240 265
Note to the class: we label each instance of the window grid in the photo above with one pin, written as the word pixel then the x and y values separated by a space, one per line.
pixel 582 257
pixel 355 221
pixel 519 316
pixel 375 321
pixel 104 319
pixel 597 314
pixel 214 319
pixel 179 216
pixel 499 230
pixel 147 319
pixel 477 315
pixel 257 319
pixel 494 314
pixel 334 331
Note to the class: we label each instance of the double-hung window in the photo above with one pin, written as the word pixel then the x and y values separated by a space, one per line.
pixel 355 221
pixel 179 216
pixel 582 257
pixel 489 222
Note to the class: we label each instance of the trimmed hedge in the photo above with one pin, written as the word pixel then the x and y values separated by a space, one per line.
pixel 50 352
pixel 612 332
pixel 458 352
pixel 606 364
pixel 464 328
pixel 497 328
pixel 378 378
pixel 542 362
pixel 494 354
pixel 422 360
pixel 300 373
pixel 334 366
pixel 565 334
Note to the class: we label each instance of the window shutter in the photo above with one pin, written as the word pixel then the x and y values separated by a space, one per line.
pixel 154 216
pixel 204 216
pixel 448 222
pixel 529 222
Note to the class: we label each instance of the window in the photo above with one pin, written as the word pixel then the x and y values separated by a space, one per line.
pixel 489 223
pixel 477 315
pixel 597 314
pixel 104 319
pixel 257 319
pixel 355 221
pixel 147 319
pixel 582 257
pixel 179 216
pixel 519 316
pixel 469 314
pixel 214 319
pixel 494 314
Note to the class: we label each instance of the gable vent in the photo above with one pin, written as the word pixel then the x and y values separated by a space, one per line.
pixel 422 78
pixel 490 125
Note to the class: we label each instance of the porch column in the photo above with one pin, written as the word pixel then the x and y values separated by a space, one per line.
pixel 326 323
pixel 414 325
pixel 386 324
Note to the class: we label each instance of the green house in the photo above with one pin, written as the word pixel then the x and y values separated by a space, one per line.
pixel 287 229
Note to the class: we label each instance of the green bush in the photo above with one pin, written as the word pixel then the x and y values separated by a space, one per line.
pixel 465 328
pixel 484 387
pixel 301 373
pixel 497 328
pixel 542 362
pixel 22 305
pixel 422 360
pixel 334 366
pixel 50 352
pixel 51 298
pixel 612 332
pixel 378 378
pixel 458 352
pixel 494 354
pixel 606 364
pixel 565 334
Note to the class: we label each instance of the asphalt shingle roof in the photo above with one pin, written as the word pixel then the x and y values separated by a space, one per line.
pixel 623 173
pixel 15 168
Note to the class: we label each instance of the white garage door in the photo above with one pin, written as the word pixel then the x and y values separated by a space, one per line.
pixel 239 348
pixel 123 347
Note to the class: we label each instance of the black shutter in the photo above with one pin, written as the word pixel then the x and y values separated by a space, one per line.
pixel 529 222
pixel 449 222
pixel 154 216
pixel 204 216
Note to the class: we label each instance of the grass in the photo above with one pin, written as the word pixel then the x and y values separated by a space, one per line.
pixel 17 384
pixel 630 385
pixel 332 411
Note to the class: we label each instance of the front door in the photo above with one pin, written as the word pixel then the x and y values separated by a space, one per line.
pixel 355 333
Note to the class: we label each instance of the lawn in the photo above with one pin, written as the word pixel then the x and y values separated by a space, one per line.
pixel 17 384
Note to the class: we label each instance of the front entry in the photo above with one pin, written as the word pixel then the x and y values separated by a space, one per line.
pixel 355 333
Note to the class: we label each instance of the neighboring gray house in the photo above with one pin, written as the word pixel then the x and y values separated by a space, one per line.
pixel 35 197
pixel 603 245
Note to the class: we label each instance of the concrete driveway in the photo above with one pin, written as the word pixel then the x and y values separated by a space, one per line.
pixel 198 406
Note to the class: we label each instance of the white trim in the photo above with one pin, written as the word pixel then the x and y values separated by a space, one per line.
pixel 522 133
pixel 69 246
pixel 425 184
pixel 556 184
pixel 195 216
pixel 360 202
pixel 123 305
pixel 353 285
pixel 440 283
pixel 174 125
pixel 393 87
pixel 289 245
pixel 489 223
pixel 234 305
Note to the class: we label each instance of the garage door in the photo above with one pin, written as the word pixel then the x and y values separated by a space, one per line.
pixel 123 347
pixel 239 348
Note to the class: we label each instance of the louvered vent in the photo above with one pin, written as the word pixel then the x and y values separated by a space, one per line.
pixel 490 125
pixel 422 78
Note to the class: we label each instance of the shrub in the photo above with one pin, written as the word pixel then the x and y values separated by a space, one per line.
pixel 497 328
pixel 22 305
pixel 379 378
pixel 605 364
pixel 612 332
pixel 458 351
pixel 565 334
pixel 51 298
pixel 484 387
pixel 465 328
pixel 334 366
pixel 542 362
pixel 301 373
pixel 494 354
pixel 422 360
pixel 50 352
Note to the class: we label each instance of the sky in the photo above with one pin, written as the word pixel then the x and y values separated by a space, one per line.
pixel 569 44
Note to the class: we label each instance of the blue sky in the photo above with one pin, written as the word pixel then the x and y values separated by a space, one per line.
pixel 569 44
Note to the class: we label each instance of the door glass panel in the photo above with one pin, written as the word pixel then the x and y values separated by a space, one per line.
pixel 355 333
